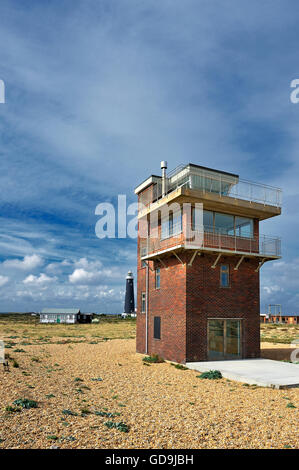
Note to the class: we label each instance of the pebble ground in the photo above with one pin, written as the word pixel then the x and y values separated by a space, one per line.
pixel 164 407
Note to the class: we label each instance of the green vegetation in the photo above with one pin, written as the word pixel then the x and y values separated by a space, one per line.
pixel 179 366
pixel 13 409
pixel 211 374
pixel 69 413
pixel 120 426
pixel 106 414
pixel 154 358
pixel 25 403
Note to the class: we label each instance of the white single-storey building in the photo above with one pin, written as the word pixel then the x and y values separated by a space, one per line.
pixel 64 315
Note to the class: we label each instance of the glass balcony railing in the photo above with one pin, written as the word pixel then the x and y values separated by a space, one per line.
pixel 221 184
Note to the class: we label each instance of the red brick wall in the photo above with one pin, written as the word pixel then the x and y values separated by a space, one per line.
pixel 188 296
pixel 169 303
pixel 206 299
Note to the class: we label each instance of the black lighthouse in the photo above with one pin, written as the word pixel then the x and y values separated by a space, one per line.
pixel 129 299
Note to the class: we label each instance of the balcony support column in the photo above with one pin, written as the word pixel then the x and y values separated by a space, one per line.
pixel 216 261
pixel 193 257
pixel 162 262
pixel 178 257
pixel 260 264
pixel 238 263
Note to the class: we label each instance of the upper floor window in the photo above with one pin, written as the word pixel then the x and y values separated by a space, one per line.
pixel 224 275
pixel 158 278
pixel 224 223
pixel 202 218
pixel 244 227
pixel 171 225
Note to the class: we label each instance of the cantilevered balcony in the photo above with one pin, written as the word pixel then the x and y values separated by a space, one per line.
pixel 214 188
pixel 263 246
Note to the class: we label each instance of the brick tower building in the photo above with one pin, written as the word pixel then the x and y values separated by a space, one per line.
pixel 198 265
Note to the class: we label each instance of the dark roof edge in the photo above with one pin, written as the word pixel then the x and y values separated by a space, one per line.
pixel 213 169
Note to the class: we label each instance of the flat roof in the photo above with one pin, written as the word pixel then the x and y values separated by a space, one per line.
pixel 150 179
pixel 56 311
pixel 213 169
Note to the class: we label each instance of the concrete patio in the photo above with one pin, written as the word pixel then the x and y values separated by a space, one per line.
pixel 262 372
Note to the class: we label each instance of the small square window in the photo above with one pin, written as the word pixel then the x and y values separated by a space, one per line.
pixel 157 327
pixel 158 278
pixel 224 275
pixel 143 300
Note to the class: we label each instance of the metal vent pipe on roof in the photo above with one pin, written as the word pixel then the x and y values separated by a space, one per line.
pixel 164 178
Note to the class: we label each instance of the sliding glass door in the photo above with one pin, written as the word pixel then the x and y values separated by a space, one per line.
pixel 224 339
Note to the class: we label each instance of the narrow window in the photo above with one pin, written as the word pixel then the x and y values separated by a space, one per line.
pixel 171 225
pixel 244 227
pixel 176 223
pixel 157 327
pixel 142 302
pixel 224 275
pixel 158 278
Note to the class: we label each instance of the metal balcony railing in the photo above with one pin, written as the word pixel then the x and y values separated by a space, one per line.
pixel 216 183
pixel 264 245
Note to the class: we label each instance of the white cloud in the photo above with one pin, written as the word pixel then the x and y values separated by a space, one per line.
pixel 81 276
pixel 92 272
pixel 29 262
pixel 272 289
pixel 38 280
pixel 85 264
pixel 3 280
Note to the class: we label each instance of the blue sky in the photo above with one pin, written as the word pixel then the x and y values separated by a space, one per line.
pixel 98 93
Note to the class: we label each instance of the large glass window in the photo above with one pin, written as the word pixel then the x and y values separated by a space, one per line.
pixel 224 339
pixel 176 224
pixel 217 222
pixel 224 223
pixel 244 227
pixel 207 220
pixel 165 228
pixel 172 225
